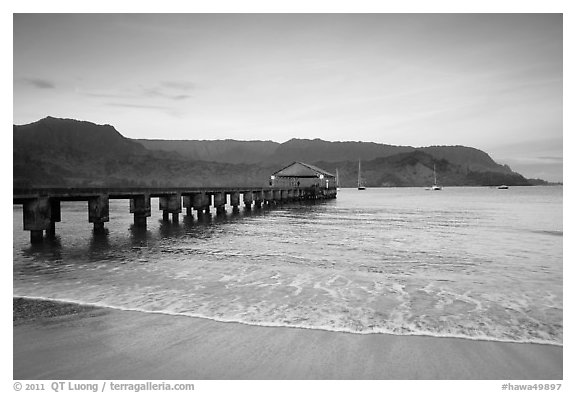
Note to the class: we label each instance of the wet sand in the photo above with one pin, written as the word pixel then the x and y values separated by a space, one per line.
pixel 67 341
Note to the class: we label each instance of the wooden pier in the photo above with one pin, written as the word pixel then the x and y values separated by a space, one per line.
pixel 41 206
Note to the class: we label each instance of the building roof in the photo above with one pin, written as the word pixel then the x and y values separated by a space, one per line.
pixel 300 169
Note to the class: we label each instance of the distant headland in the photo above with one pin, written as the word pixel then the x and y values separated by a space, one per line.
pixel 54 152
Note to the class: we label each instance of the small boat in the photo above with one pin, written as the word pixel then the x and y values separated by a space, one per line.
pixel 360 181
pixel 435 186
pixel 503 187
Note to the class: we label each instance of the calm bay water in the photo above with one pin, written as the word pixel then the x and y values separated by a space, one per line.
pixel 477 263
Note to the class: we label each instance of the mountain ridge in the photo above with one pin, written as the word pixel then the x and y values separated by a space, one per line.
pixel 310 150
pixel 68 152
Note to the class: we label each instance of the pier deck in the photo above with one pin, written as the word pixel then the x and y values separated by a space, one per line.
pixel 41 206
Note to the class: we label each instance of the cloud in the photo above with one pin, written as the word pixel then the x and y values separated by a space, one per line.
pixel 179 85
pixel 148 108
pixel 39 83
pixel 164 93
pixel 552 158
pixel 137 106
pixel 181 97
pixel 103 94
pixel 176 91
pixel 168 90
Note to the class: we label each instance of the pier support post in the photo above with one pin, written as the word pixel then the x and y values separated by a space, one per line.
pixel 283 196
pixel 277 196
pixel 140 206
pixel 37 218
pixel 51 231
pixel 171 204
pixel 258 198
pixel 55 216
pixel 200 203
pixel 187 203
pixel 36 236
pixel 220 202
pixel 248 197
pixel 235 201
pixel 268 197
pixel 98 211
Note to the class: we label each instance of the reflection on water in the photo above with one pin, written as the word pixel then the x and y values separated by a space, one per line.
pixel 467 262
pixel 99 242
pixel 50 249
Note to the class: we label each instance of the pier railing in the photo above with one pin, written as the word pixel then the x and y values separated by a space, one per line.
pixel 41 206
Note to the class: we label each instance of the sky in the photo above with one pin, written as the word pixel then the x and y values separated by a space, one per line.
pixel 490 81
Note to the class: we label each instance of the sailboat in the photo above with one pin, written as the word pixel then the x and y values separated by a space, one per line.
pixel 337 181
pixel 435 186
pixel 360 181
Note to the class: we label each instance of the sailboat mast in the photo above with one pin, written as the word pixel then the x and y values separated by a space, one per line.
pixel 434 174
pixel 360 181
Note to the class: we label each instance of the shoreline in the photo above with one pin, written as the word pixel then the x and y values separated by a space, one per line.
pixel 57 340
pixel 75 307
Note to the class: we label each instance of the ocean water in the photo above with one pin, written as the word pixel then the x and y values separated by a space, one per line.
pixel 476 263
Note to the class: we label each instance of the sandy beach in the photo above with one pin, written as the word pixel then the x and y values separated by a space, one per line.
pixel 67 341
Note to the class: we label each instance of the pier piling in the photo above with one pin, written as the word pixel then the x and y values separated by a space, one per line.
pixel 170 204
pixel 235 201
pixel 55 216
pixel 140 206
pixel 248 198
pixel 98 211
pixel 268 197
pixel 187 203
pixel 258 198
pixel 37 216
pixel 41 206
pixel 220 202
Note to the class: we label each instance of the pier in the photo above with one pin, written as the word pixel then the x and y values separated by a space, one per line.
pixel 42 206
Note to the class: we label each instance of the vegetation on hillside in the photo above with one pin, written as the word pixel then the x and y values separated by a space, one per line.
pixel 63 152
